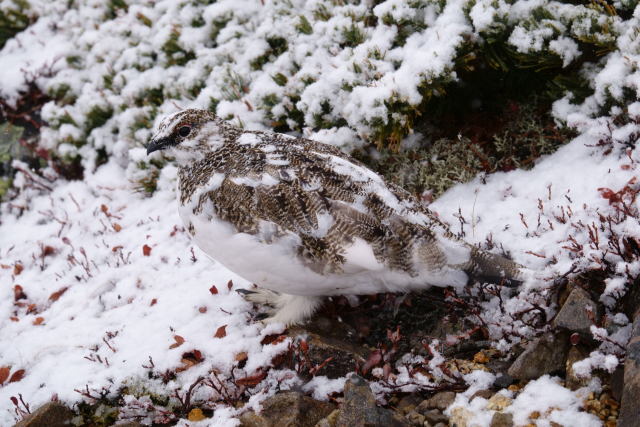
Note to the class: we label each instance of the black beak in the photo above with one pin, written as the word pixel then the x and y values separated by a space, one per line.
pixel 159 144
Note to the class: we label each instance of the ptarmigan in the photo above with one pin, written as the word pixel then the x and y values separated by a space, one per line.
pixel 304 220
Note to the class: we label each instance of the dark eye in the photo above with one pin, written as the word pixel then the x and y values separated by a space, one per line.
pixel 184 131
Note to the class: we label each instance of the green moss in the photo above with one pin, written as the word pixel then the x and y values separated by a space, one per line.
pixel 352 35
pixel 304 26
pixel 98 116
pixel 280 79
pixel 152 96
pixel 277 46
pixel 114 6
pixel 176 54
pixel 144 19
pixel 15 16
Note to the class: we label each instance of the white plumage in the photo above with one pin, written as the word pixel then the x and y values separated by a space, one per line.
pixel 303 220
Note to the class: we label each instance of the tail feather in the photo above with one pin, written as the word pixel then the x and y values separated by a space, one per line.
pixel 494 268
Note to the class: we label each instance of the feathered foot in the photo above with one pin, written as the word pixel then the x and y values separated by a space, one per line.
pixel 282 308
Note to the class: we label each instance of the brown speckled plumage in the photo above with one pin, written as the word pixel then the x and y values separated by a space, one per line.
pixel 256 181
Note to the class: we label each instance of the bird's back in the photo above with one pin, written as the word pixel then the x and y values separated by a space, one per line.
pixel 341 222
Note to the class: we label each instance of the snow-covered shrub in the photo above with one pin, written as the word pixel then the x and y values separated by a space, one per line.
pixel 350 73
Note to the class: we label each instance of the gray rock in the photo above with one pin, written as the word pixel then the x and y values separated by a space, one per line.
pixel 544 355
pixel 289 409
pixel 485 394
pixel 52 414
pixel 359 408
pixel 629 409
pixel 415 418
pixel 573 381
pixel 500 419
pixel 503 380
pixel 574 315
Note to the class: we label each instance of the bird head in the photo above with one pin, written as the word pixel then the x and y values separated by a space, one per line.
pixel 186 133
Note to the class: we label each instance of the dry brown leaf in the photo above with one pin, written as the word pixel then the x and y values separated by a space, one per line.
pixel 18 293
pixel 57 294
pixel 213 290
pixel 230 284
pixel 202 309
pixel 221 332
pixel 117 227
pixel 146 250
pixel 4 374
pixel 153 302
pixel 241 356
pixel 38 321
pixel 179 341
pixel 252 380
pixel 17 269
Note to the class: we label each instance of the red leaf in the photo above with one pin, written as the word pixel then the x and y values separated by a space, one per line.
pixel 221 332
pixel 17 376
pixel 373 360
pixel 273 339
pixel 116 248
pixel 304 346
pixel 4 374
pixel 48 250
pixel 38 321
pixel 117 227
pixel 18 293
pixel 213 290
pixel 57 294
pixel 179 341
pixel 230 284
pixel 202 309
pixel 146 250
pixel 153 302
pixel 104 208
pixel 252 380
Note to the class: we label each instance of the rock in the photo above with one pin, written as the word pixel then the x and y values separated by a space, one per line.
pixel 617 383
pixel 289 409
pixel 415 418
pixel 52 414
pixel 630 409
pixel 574 315
pixel 485 394
pixel 128 424
pixel 460 417
pixel 359 408
pixel 325 339
pixel 499 402
pixel 434 416
pixel 573 381
pixel 408 403
pixel 329 421
pixel 544 355
pixel 500 419
pixel 503 381
pixel 441 400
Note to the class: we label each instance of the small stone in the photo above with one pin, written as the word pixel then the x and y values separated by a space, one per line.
pixel 503 381
pixel 415 418
pixel 408 403
pixel 544 355
pixel 498 402
pixel 52 414
pixel 437 425
pixel 460 417
pixel 359 408
pixel 573 381
pixel 501 419
pixel 485 394
pixel 441 400
pixel 434 416
pixel 574 314
pixel 288 409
